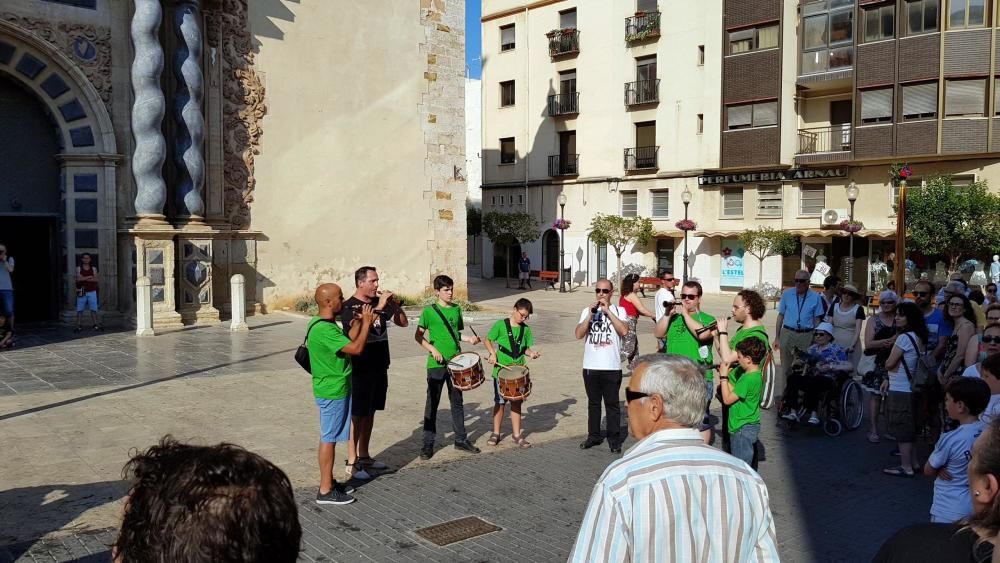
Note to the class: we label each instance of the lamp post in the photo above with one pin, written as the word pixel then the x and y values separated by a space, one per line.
pixel 852 196
pixel 898 271
pixel 562 243
pixel 686 198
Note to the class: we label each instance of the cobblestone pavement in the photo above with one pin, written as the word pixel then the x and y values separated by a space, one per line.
pixel 76 405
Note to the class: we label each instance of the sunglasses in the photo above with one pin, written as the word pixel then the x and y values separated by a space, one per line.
pixel 604 291
pixel 921 293
pixel 668 279
pixel 631 395
pixel 988 290
pixel 991 340
pixel 688 296
pixel 801 281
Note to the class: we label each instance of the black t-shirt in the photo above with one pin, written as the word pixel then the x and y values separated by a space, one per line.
pixel 934 543
pixel 376 353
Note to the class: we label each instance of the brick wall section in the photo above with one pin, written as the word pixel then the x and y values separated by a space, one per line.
pixel 917 137
pixel 995 145
pixel 442 111
pixel 873 142
pixel 748 12
pixel 876 63
pixel 919 57
pixel 750 147
pixel 752 76
pixel 967 52
pixel 964 135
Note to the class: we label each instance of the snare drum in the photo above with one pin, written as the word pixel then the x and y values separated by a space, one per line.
pixel 514 382
pixel 466 371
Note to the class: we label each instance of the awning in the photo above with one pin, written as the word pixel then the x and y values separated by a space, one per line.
pixel 669 234
pixel 878 233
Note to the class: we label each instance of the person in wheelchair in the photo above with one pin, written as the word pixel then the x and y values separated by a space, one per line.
pixel 815 372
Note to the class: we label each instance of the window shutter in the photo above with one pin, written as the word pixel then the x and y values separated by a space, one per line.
pixel 965 97
pixel 767 37
pixel 739 116
pixel 765 114
pixel 919 99
pixel 876 104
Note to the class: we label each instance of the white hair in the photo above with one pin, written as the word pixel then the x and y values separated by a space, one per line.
pixel 679 382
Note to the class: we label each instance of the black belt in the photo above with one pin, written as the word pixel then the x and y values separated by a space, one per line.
pixel 799 330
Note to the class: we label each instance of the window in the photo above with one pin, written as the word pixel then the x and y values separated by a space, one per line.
pixel 753 39
pixel 760 114
pixel 567 82
pixel 921 16
pixel 567 19
pixel 996 96
pixel 919 101
pixel 966 14
pixel 965 98
pixel 827 36
pixel 630 204
pixel 506 38
pixel 880 22
pixel 507 93
pixel 645 6
pixel 507 150
pixel 493 201
pixel 769 200
pixel 661 204
pixel 701 55
pixel 732 202
pixel 876 106
pixel 520 199
pixel 701 123
pixel 963 180
pixel 812 200
pixel 502 201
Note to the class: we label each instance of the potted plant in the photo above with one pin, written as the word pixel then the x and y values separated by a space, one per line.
pixel 686 225
pixel 562 224
pixel 851 226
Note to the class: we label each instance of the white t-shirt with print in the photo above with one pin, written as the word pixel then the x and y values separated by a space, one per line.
pixel 662 294
pixel 898 380
pixel 602 345
pixel 953 452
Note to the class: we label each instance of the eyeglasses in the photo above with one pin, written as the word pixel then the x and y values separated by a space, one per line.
pixel 887 302
pixel 991 340
pixel 631 395
pixel 921 293
pixel 800 281
pixel 604 291
pixel 959 304
pixel 688 296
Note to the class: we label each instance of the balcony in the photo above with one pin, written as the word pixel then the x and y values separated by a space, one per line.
pixel 642 26
pixel 818 144
pixel 641 158
pixel 827 64
pixel 642 92
pixel 564 165
pixel 563 42
pixel 564 104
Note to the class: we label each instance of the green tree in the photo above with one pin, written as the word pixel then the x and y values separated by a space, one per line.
pixel 509 229
pixel 958 222
pixel 620 233
pixel 766 241
pixel 473 221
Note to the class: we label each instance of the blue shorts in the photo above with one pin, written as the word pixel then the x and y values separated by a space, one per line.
pixel 497 397
pixel 86 301
pixel 7 302
pixel 334 419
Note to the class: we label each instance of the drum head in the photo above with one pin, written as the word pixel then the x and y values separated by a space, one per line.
pixel 466 360
pixel 513 372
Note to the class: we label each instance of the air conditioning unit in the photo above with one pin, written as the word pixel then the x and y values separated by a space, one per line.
pixel 833 217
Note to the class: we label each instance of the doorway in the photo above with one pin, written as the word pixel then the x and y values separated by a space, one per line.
pixel 551 258
pixel 31 241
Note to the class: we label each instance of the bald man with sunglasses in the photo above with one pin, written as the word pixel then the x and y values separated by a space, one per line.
pixel 799 311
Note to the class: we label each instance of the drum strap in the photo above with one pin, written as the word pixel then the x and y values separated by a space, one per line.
pixel 515 350
pixel 451 329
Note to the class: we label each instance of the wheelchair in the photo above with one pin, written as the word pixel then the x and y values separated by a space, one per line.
pixel 839 407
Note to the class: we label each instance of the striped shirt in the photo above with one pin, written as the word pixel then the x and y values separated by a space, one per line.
pixel 672 498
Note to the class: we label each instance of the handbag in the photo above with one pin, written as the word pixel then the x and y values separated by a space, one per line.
pixel 302 352
pixel 866 365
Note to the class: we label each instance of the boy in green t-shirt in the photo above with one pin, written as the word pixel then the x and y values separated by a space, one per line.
pixel 443 322
pixel 743 397
pixel 513 343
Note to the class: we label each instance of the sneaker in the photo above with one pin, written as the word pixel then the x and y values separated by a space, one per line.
pixel 813 419
pixel 373 463
pixel 355 471
pixel 344 488
pixel 467 446
pixel 586 445
pixel 335 496
pixel 616 449
pixel 98 328
pixel 790 415
pixel 427 451
pixel 78 329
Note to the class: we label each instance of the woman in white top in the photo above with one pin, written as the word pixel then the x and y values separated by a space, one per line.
pixel 847 317
pixel 991 345
pixel 902 365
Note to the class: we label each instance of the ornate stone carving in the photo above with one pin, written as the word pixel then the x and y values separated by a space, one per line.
pixel 89 46
pixel 243 106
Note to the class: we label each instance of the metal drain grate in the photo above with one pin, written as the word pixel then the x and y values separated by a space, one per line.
pixel 456 530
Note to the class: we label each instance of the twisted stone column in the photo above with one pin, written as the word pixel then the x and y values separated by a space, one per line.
pixel 190 130
pixel 148 110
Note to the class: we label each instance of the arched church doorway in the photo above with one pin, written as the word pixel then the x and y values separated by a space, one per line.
pixel 30 201
pixel 551 249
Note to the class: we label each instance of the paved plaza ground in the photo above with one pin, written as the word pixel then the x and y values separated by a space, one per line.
pixel 73 406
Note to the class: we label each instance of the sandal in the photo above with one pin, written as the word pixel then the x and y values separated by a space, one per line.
pixel 494 439
pixel 898 471
pixel 521 441
pixel 874 438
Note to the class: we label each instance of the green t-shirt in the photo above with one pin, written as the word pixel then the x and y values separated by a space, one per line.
pixel 498 334
pixel 438 334
pixel 331 368
pixel 682 341
pixel 740 335
pixel 746 410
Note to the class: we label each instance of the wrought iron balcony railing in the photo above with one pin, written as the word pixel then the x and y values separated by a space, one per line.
pixel 642 26
pixel 836 138
pixel 564 104
pixel 563 41
pixel 641 158
pixel 564 165
pixel 642 92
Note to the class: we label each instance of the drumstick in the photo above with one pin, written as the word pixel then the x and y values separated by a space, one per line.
pixel 459 366
pixel 473 329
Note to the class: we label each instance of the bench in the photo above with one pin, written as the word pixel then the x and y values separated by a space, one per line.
pixel 552 277
pixel 647 283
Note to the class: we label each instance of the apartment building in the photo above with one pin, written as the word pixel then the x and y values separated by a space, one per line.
pixel 765 111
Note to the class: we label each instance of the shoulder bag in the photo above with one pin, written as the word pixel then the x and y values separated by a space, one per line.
pixel 302 352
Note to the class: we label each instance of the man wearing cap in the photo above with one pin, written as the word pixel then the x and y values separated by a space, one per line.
pixel 798 313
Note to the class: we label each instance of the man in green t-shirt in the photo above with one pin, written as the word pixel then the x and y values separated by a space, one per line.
pixel 330 352
pixel 513 340
pixel 689 333
pixel 439 332
pixel 748 310
pixel 743 397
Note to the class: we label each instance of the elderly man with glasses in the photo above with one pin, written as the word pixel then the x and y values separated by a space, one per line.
pixel 799 311
pixel 671 497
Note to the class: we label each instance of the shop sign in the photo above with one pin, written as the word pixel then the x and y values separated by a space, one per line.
pixel 789 175
pixel 732 263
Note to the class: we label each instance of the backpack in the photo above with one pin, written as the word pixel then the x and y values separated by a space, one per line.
pixel 924 363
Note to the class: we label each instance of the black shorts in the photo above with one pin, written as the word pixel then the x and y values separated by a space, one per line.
pixel 368 391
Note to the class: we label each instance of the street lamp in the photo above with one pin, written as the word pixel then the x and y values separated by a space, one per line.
pixel 852 196
pixel 562 243
pixel 686 198
pixel 898 271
